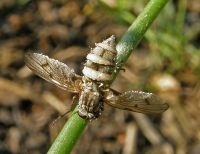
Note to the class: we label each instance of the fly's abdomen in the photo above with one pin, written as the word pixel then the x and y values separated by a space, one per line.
pixel 100 62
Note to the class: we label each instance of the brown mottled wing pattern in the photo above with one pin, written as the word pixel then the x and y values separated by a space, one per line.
pixel 137 101
pixel 53 71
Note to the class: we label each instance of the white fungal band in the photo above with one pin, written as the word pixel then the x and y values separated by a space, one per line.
pixel 105 46
pixel 101 61
pixel 95 75
pixel 97 59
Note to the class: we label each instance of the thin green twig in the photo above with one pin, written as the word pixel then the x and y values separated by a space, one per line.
pixel 74 127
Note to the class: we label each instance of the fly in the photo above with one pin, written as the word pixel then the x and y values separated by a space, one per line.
pixel 92 87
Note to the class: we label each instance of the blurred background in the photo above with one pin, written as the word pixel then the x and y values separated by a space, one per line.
pixel 166 62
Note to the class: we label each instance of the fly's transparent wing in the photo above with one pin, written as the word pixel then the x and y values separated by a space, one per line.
pixel 53 71
pixel 137 101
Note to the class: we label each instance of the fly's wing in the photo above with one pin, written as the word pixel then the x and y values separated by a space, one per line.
pixel 53 71
pixel 136 101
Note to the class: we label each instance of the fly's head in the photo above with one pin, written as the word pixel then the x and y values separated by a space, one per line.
pixel 90 106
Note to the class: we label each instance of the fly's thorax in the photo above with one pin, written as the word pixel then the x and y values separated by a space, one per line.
pixel 100 62
pixel 90 106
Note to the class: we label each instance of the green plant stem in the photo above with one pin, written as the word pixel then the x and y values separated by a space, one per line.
pixel 74 127
pixel 137 30
pixel 69 135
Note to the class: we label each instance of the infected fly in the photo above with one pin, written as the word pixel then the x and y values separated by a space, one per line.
pixel 92 87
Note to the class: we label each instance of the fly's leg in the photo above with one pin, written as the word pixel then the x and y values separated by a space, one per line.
pixel 119 67
pixel 74 103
